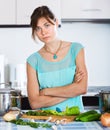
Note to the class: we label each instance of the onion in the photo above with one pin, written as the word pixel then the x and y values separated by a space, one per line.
pixel 105 119
pixel 11 115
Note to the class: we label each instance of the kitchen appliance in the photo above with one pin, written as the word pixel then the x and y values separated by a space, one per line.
pixel 9 99
pixel 104 101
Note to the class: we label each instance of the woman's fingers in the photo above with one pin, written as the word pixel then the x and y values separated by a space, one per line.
pixel 41 93
pixel 79 76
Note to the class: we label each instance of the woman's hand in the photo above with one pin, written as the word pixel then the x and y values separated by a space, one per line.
pixel 42 92
pixel 78 75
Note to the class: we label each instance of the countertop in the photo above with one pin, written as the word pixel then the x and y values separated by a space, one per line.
pixel 70 126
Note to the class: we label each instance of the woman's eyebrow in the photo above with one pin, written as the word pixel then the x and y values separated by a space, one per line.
pixel 43 24
pixel 46 23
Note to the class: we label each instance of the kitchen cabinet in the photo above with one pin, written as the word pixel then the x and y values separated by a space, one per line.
pixel 25 9
pixel 87 9
pixel 18 12
pixel 7 12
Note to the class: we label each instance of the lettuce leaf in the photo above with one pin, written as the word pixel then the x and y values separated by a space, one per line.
pixel 72 111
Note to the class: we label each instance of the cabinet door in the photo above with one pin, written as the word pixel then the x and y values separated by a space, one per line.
pixel 97 9
pixel 26 7
pixel 70 10
pixel 77 9
pixel 7 12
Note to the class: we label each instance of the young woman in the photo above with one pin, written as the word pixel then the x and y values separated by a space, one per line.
pixel 56 74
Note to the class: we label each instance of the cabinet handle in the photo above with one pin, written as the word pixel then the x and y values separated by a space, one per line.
pixel 92 10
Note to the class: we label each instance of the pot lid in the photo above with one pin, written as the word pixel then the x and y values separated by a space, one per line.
pixel 104 91
pixel 9 90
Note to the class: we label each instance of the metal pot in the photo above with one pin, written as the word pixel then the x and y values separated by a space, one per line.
pixel 104 101
pixel 9 98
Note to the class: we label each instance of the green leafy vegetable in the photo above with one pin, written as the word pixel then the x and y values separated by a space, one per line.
pixel 69 111
pixel 72 111
pixel 31 124
pixel 50 112
pixel 37 113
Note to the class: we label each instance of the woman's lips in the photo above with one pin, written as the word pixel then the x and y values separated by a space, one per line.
pixel 45 38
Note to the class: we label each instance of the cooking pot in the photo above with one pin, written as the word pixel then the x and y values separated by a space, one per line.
pixel 104 101
pixel 9 98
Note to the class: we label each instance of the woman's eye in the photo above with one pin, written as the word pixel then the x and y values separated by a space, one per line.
pixel 38 29
pixel 47 25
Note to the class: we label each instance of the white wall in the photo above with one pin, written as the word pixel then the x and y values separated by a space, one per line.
pixel 17 45
pixel 96 39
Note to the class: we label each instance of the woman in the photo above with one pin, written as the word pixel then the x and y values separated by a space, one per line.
pixel 51 80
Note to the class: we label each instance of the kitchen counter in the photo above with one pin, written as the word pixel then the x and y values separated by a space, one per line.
pixel 70 126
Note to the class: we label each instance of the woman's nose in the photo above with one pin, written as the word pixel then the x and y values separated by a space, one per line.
pixel 43 31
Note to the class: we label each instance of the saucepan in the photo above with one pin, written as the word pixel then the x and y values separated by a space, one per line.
pixel 104 101
pixel 9 98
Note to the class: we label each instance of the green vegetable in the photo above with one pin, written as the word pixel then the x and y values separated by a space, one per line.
pixel 85 114
pixel 67 112
pixel 72 111
pixel 91 117
pixel 32 124
pixel 50 112
pixel 37 113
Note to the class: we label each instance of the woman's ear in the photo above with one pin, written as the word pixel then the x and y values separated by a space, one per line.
pixel 57 23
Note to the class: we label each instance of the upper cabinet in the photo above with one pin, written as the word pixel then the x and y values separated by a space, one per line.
pixel 85 9
pixel 26 7
pixel 18 12
pixel 7 12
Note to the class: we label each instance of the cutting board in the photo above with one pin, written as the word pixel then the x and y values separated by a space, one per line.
pixel 53 118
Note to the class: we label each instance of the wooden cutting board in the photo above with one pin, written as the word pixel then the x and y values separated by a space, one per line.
pixel 53 118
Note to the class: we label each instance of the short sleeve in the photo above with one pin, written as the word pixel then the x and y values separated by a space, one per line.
pixel 33 61
pixel 76 47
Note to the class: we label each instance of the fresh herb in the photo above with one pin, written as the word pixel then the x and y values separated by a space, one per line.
pixel 31 124
pixel 36 113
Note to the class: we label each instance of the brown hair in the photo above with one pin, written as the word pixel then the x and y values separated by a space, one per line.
pixel 42 11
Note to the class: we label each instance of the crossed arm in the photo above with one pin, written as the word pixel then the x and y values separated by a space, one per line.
pixel 51 96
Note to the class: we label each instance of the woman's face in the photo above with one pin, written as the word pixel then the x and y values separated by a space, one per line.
pixel 46 31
